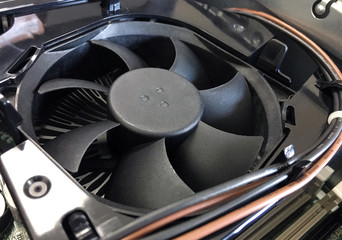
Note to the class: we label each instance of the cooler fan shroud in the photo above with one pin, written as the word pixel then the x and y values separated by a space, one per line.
pixel 192 139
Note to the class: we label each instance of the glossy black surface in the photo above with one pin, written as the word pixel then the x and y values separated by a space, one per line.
pixel 22 7
pixel 236 34
pixel 159 45
pixel 35 29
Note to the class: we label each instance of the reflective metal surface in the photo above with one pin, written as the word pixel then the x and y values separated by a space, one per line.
pixel 26 166
pixel 32 179
pixel 35 29
pixel 325 30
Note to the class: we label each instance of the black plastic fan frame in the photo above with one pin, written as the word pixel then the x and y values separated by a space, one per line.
pixel 194 131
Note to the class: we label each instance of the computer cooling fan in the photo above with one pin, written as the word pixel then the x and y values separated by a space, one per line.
pixel 160 120
pixel 147 124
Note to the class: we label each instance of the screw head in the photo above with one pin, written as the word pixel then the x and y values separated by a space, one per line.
pixel 320 9
pixel 289 151
pixel 37 187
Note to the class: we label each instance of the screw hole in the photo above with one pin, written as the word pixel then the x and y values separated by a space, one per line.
pixel 37 187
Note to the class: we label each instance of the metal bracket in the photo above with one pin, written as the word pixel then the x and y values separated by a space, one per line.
pixel 21 7
pixel 44 195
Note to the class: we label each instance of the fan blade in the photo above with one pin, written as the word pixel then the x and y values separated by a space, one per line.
pixel 188 66
pixel 229 107
pixel 131 60
pixel 145 178
pixel 64 83
pixel 69 148
pixel 210 156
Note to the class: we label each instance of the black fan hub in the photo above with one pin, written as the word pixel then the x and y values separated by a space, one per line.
pixel 155 102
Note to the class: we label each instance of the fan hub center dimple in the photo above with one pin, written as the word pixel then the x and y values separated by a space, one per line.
pixel 155 102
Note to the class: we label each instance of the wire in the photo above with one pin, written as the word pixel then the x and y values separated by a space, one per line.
pixel 332 132
pixel 161 217
pixel 325 140
pixel 189 210
pixel 243 198
pixel 196 202
pixel 263 201
pixel 291 187
pixel 249 222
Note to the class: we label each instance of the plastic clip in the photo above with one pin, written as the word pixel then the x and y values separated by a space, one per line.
pixel 333 115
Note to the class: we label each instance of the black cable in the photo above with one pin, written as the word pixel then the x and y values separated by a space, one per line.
pixel 247 223
pixel 321 145
pixel 194 199
pixel 336 126
pixel 332 127
pixel 336 96
pixel 219 211
pixel 331 133
pixel 316 144
pixel 329 137
pixel 245 227
pixel 311 154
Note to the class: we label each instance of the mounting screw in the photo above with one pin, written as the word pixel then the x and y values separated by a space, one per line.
pixel 37 187
pixel 289 151
pixel 320 9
